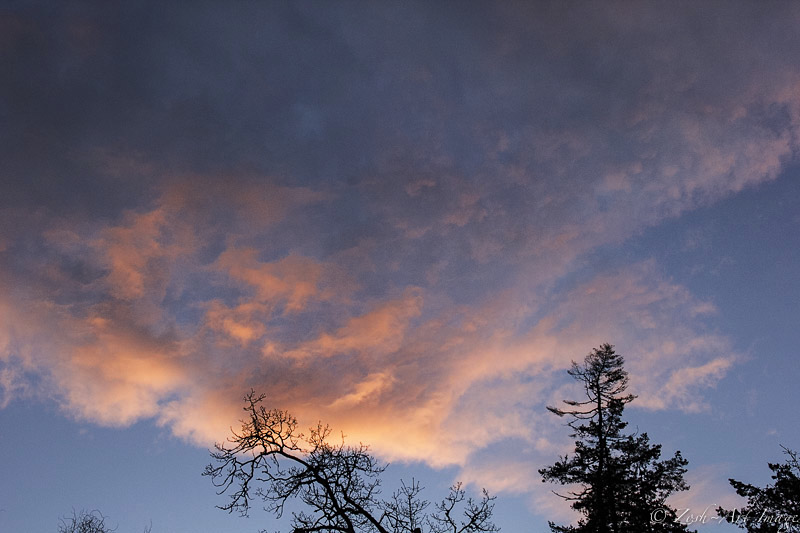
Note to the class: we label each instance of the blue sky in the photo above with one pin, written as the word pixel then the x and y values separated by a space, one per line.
pixel 403 220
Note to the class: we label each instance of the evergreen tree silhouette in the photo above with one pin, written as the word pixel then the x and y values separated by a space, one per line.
pixel 773 508
pixel 620 483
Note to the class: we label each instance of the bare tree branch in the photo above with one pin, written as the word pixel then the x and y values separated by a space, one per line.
pixel 268 458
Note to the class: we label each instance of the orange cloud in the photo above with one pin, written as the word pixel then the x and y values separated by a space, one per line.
pixel 380 331
pixel 243 323
pixel 425 304
pixel 413 375
pixel 366 390
pixel 294 279
pixel 132 252
pixel 186 311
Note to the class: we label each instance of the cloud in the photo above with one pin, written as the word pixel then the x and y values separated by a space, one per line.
pixel 242 323
pixel 134 253
pixel 292 280
pixel 382 219
pixel 378 332
pixel 708 489
pixel 365 390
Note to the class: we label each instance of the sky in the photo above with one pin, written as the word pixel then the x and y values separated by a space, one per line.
pixel 402 219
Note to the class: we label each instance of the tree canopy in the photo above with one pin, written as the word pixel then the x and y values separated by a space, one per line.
pixel 271 460
pixel 773 508
pixel 616 480
pixel 88 522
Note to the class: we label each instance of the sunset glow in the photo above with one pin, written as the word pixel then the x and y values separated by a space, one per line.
pixel 404 220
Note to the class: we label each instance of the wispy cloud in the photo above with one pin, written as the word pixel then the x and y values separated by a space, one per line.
pixel 395 241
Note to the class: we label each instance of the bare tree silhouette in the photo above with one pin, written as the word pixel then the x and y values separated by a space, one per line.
pixel 88 522
pixel 271 460
pixel 84 522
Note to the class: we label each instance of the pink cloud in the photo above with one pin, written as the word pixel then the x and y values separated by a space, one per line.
pixel 380 331
pixel 293 280
pixel 404 332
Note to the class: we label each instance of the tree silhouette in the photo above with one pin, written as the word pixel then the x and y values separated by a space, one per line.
pixel 270 459
pixel 773 508
pixel 84 522
pixel 618 480
pixel 88 522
